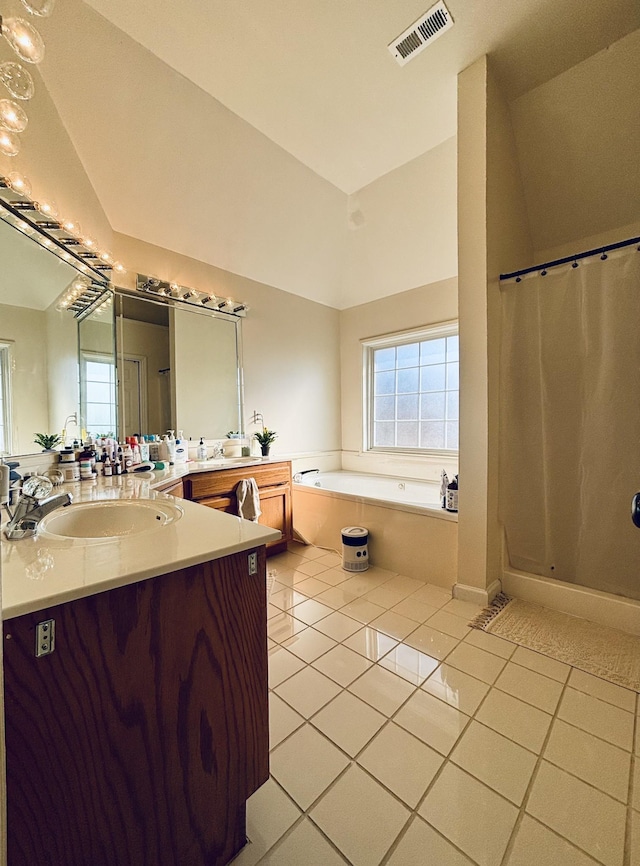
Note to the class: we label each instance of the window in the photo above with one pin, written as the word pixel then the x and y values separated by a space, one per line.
pixel 98 393
pixel 411 392
pixel 5 398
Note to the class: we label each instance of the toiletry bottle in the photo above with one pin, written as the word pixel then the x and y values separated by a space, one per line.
pixel 154 449
pixel 144 450
pixel 128 457
pixel 444 483
pixel 107 468
pixel 181 452
pixel 171 446
pixel 202 450
pixel 452 495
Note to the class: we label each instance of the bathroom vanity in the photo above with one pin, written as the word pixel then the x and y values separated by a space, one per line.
pixel 138 738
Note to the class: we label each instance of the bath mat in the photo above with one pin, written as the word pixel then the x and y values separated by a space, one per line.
pixel 604 652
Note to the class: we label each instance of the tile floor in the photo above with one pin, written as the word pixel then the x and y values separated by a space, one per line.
pixel 400 736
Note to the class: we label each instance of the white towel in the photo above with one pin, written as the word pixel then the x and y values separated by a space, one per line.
pixel 248 499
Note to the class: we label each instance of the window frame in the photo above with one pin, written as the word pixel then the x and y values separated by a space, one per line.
pixel 400 338
pixel 6 366
pixel 89 356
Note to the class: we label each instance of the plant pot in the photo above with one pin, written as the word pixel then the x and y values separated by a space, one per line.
pixel 265 450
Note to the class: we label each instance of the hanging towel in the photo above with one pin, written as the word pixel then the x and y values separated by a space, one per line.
pixel 248 499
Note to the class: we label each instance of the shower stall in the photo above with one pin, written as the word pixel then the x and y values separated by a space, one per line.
pixel 570 420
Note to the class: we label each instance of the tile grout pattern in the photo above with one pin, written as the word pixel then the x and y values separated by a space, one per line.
pixel 406 737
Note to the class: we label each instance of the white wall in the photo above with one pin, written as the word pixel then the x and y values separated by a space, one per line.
pixel 152 342
pixel 62 367
pixel 403 231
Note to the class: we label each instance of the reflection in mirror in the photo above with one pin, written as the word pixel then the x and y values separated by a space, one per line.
pixel 38 344
pixel 180 368
pixel 97 365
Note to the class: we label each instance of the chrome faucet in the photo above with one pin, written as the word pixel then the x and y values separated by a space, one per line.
pixel 32 506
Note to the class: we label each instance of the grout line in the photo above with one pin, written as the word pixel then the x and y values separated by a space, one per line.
pixel 629 822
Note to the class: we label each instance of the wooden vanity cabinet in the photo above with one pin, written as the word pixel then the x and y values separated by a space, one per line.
pixel 217 490
pixel 137 741
pixel 174 488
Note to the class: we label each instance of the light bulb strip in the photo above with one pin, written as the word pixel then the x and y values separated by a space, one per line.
pixel 169 293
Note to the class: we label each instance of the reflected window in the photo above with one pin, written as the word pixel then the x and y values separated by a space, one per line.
pixel 5 398
pixel 98 393
pixel 411 390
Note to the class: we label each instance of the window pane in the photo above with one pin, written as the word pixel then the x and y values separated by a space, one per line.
pixel 453 408
pixel 432 378
pixel 384 359
pixel 407 380
pixel 99 392
pixel 98 372
pixel 452 434
pixel 408 407
pixel 452 376
pixel 432 434
pixel 384 408
pixel 384 383
pixel 452 348
pixel 432 405
pixel 409 356
pixel 432 351
pixel 408 434
pixel 98 415
pixel 384 433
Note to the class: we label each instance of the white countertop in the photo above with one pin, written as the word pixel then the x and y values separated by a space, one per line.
pixel 39 572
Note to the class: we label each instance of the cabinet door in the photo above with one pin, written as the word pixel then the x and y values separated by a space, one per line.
pixel 138 740
pixel 221 503
pixel 275 503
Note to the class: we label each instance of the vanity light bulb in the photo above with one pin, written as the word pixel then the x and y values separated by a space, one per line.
pixel 90 243
pixel 24 39
pixel 19 183
pixel 48 209
pixel 9 143
pixel 119 268
pixel 42 8
pixel 106 257
pixel 17 80
pixel 12 117
pixel 72 227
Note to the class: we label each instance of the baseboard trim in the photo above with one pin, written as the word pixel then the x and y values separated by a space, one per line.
pixel 476 594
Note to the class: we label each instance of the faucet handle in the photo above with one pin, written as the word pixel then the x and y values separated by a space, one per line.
pixel 37 487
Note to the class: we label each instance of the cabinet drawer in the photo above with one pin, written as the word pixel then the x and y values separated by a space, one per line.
pixel 226 480
pixel 174 488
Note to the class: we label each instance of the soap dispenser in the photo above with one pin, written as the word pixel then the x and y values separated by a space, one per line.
pixel 202 449
pixel 181 449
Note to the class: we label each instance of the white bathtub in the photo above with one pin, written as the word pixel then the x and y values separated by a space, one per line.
pixel 409 532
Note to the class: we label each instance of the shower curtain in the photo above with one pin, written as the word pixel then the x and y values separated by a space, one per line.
pixel 570 422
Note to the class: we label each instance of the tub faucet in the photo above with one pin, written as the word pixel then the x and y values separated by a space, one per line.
pixel 32 507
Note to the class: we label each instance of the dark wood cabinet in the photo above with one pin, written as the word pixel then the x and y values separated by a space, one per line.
pixel 217 490
pixel 138 740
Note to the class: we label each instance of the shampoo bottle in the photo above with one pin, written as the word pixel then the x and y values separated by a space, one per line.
pixel 202 450
pixel 452 495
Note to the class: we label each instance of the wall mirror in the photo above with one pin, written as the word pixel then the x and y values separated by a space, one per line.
pixel 39 381
pixel 179 367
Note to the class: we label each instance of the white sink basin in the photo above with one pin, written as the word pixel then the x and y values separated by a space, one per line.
pixel 104 520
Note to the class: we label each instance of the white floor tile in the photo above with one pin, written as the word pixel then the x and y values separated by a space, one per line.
pixel 597 717
pixel 312 586
pixel 432 642
pixel 588 818
pixel 414 609
pixel 331 560
pixel 537 844
pixel 401 762
pixel 308 691
pixel 287 598
pixel 360 817
pixel 543 692
pixel 342 665
pixel 306 764
pixel 338 626
pixel 456 688
pixel 349 722
pixel 603 690
pixel 270 813
pixel 589 758
pixel 436 596
pixel 541 664
pixel 311 611
pixel 312 567
pixel 304 844
pixel 363 610
pixel 334 576
pixel 635 839
pixel 493 759
pixel 409 663
pixel 476 662
pixel 434 722
pixel 394 624
pixel 422 846
pixel 309 644
pixel 282 720
pixel 464 609
pixel 282 665
pixel 382 690
pixel 283 626
pixel 336 597
pixel 472 816
pixel 370 643
pixel 449 624
pixel 489 642
pixel 518 721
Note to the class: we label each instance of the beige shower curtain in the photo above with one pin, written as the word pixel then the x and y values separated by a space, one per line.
pixel 570 422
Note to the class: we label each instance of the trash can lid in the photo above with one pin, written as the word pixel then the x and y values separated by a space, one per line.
pixel 355 531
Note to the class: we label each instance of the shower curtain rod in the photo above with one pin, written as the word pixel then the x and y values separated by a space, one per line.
pixel 565 261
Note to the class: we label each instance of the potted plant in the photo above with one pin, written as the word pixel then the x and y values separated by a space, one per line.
pixel 47 441
pixel 265 438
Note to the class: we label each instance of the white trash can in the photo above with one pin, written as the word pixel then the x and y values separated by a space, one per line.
pixel 355 548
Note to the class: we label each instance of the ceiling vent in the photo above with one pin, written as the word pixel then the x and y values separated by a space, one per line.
pixel 416 38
